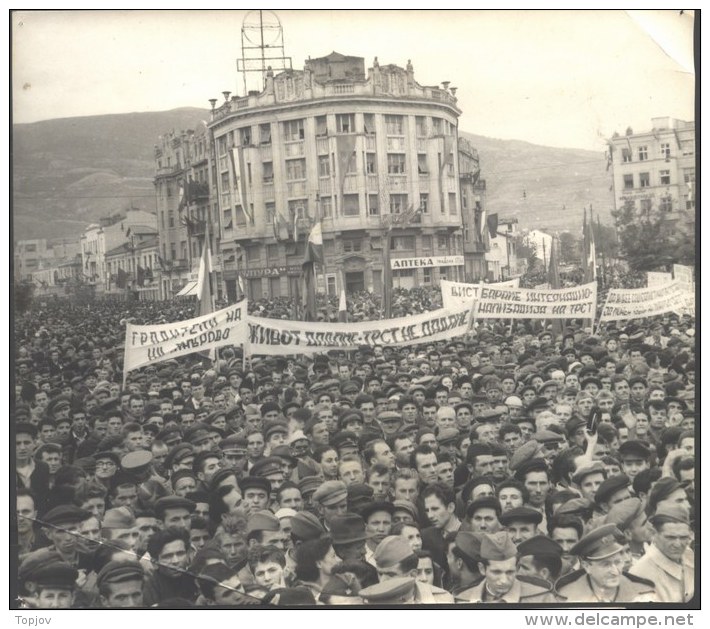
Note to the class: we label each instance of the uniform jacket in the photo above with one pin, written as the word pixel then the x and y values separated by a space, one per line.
pixel 431 595
pixel 580 591
pixel 521 592
pixel 675 582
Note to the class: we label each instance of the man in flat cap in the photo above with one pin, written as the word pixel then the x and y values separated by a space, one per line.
pixel 120 584
pixel 55 585
pixel 500 583
pixel 634 456
pixel 613 490
pixel 521 523
pixel 601 579
pixel 331 499
pixel 174 511
pixel 669 561
pixel 540 560
pixel 394 558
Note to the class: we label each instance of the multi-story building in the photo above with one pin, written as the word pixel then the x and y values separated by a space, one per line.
pixel 27 258
pixel 108 233
pixel 473 192
pixel 502 256
pixel 372 155
pixel 133 267
pixel 655 170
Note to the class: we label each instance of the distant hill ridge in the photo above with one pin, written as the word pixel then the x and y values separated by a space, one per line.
pixel 69 172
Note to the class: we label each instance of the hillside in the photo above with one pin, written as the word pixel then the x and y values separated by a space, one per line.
pixel 69 172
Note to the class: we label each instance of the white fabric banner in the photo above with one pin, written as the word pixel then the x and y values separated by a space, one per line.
pixel 460 294
pixel 150 344
pixel 658 279
pixel 279 337
pixel 578 302
pixel 635 303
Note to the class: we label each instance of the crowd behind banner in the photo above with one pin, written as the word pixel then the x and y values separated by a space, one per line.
pixel 451 455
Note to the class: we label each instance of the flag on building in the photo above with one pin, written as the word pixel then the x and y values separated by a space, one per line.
pixel 313 256
pixel 239 173
pixel 345 145
pixel 589 256
pixel 205 302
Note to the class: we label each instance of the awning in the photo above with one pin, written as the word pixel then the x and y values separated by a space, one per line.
pixel 189 289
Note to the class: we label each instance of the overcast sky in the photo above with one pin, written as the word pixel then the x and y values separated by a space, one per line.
pixel 556 78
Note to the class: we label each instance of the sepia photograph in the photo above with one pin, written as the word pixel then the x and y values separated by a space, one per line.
pixel 354 309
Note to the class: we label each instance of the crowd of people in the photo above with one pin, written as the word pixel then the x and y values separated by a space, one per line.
pixel 523 463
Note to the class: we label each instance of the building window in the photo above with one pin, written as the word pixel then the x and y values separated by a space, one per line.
pixel 442 242
pixel 688 148
pixel 427 242
pixel 227 218
pixel 268 170
pixel 420 122
pixel 665 149
pixel 345 123
pixel 245 136
pixel 398 203
pixel 321 126
pixel 426 274
pixel 371 163
pixel 643 153
pixel 293 130
pixel 373 204
pixel 396 163
pixel 452 203
pixel 369 120
pixel 298 208
pixel 666 204
pixel 626 155
pixel 324 165
pixel 173 251
pixel 466 235
pixel 329 247
pixel 351 205
pixel 436 126
pixel 422 166
pixel 628 182
pixel 295 169
pixel 326 206
pixel 352 245
pixel 265 133
pixel 689 175
pixel 171 218
pixel 402 242
pixel 254 253
pixel 644 180
pixel 394 124
pixel 272 253
pixel 424 203
pixel 665 176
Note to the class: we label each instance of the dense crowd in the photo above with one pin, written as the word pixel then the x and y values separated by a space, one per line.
pixel 523 463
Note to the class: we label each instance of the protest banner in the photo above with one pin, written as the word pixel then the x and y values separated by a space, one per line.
pixel 684 275
pixel 459 294
pixel 635 303
pixel 654 279
pixel 150 344
pixel 578 302
pixel 280 337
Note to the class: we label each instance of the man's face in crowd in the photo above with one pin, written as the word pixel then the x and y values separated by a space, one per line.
pixel 484 520
pixel 673 539
pixel 633 464
pixel 53 460
pixel 538 486
pixel 499 576
pixel 320 434
pixel 351 472
pixel 256 499
pixel 26 513
pixel 255 445
pixel 437 512
pixel 426 468
pixel 291 499
pixel 405 489
pixel 173 559
pixel 510 498
pixel 606 572
pixel 520 531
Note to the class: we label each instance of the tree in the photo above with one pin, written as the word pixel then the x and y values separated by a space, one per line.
pixel 649 239
pixel 569 248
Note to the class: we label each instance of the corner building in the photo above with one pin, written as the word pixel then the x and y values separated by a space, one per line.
pixel 331 141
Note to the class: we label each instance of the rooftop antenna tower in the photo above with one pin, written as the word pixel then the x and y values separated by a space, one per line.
pixel 262 46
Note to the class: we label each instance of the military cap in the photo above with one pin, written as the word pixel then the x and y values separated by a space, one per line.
pixel 255 482
pixel 178 453
pixel 137 461
pixel 469 544
pixel 520 514
pixel 172 502
pixel 669 514
pixel 367 509
pixel 633 447
pixel 26 428
pixel 599 543
pixel 277 428
pixel 262 521
pixel 266 466
pixel 330 492
pixel 120 572
pixel 660 490
pixel 347 528
pixel 391 551
pixel 308 484
pixel 342 585
pixel 624 513
pixel 525 453
pixel 233 443
pixel 595 468
pixel 497 546
pixel 344 439
pixel 65 514
pixel 447 435
pixel 56 574
pixel 118 518
pixel 408 507
pixel 391 591
pixel 168 433
pixel 306 526
pixel 610 486
pixel 581 507
pixel 197 435
pixel 539 545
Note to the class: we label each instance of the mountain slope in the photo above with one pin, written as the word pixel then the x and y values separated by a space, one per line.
pixel 69 172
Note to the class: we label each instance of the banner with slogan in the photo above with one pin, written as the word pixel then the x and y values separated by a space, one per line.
pixel 150 344
pixel 279 337
pixel 636 303
pixel 658 279
pixel 528 303
pixel 683 275
pixel 459 294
